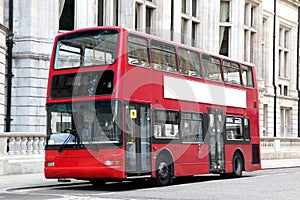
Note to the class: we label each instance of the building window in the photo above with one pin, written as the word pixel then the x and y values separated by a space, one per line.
pixel 194 34
pixel 184 31
pixel 115 13
pixel 100 12
pixel 148 19
pixel 194 8
pixel 285 122
pixel 249 32
pixel 265 120
pixel 265 52
pixel 225 26
pixel 285 90
pixel 183 6
pixel 189 23
pixel 66 15
pixel 144 16
pixel 137 23
pixel 280 89
pixel 108 12
pixel 283 52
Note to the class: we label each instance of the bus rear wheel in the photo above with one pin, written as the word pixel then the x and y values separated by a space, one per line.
pixel 163 171
pixel 237 165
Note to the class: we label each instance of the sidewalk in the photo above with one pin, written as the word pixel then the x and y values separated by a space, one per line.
pixel 29 181
pixel 38 179
pixel 272 164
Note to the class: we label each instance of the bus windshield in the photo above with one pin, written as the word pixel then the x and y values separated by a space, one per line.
pixel 89 48
pixel 85 122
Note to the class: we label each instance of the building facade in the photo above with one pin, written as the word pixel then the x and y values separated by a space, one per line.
pixel 3 49
pixel 263 32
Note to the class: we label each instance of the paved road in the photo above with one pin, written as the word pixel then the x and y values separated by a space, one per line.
pixel 264 184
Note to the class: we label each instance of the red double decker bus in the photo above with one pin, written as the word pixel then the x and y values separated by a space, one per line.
pixel 122 104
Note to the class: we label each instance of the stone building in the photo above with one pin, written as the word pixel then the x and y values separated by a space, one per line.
pixel 242 29
pixel 3 33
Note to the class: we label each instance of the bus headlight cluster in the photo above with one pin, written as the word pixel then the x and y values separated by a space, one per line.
pixel 111 162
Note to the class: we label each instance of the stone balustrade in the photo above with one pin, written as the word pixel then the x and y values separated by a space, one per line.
pixel 22 143
pixel 279 144
pixel 26 143
pixel 280 148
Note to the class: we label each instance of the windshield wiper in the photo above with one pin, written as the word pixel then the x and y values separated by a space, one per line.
pixel 67 140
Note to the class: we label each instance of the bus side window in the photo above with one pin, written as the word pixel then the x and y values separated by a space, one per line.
pixel 189 62
pixel 138 51
pixel 247 129
pixel 231 72
pixel 212 67
pixel 237 129
pixel 163 56
pixel 247 76
pixel 234 128
pixel 166 124
pixel 191 127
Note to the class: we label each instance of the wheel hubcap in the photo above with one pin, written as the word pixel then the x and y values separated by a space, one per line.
pixel 163 170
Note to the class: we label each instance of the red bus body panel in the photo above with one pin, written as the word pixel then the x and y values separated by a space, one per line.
pixel 146 85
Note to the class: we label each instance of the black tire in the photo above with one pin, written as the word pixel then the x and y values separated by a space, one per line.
pixel 237 165
pixel 163 171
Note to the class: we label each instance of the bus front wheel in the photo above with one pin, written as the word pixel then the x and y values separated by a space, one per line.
pixel 163 171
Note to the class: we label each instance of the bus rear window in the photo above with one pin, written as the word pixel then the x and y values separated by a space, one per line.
pixel 247 76
pixel 82 84
pixel 83 49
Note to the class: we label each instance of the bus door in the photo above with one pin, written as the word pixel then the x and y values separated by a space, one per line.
pixel 216 140
pixel 138 146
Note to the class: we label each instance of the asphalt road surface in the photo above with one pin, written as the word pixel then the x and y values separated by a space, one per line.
pixel 265 184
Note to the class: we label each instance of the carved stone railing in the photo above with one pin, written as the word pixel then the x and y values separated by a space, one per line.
pixel 280 144
pixel 22 143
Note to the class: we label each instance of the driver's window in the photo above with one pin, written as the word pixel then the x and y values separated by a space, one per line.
pixel 138 51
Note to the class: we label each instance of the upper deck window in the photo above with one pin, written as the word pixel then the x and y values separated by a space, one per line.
pixel 212 67
pixel 247 76
pixel 138 51
pixel 163 56
pixel 89 48
pixel 189 62
pixel 232 72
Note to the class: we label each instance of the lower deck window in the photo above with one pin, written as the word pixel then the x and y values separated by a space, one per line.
pixel 166 124
pixel 237 128
pixel 191 127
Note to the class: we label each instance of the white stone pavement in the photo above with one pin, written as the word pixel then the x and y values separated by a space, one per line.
pixel 37 179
